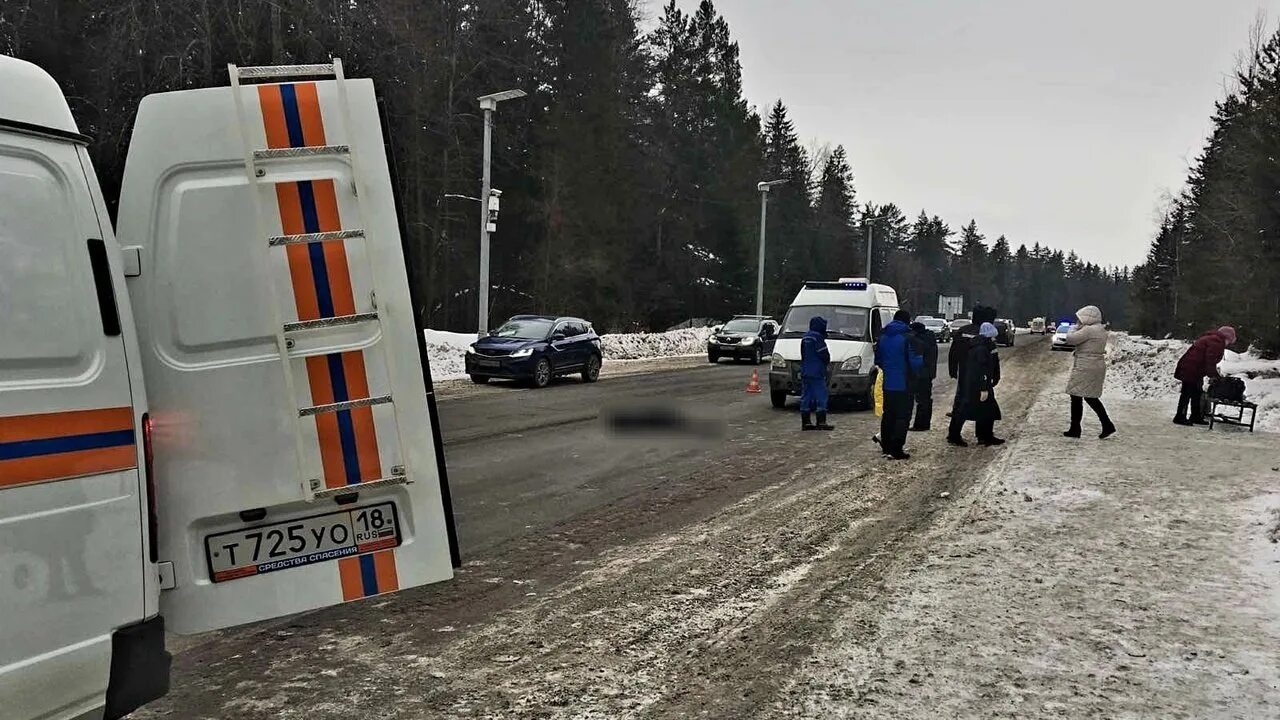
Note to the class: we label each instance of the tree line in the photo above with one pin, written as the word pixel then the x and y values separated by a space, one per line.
pixel 1215 259
pixel 628 174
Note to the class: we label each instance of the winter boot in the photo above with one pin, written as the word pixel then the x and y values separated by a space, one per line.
pixel 992 441
pixel 957 441
pixel 806 423
pixel 1182 421
pixel 822 421
pixel 1074 432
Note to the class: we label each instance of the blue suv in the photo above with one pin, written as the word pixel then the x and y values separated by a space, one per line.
pixel 536 348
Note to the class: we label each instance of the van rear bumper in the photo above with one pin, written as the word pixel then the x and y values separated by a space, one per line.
pixel 139 667
pixel 840 384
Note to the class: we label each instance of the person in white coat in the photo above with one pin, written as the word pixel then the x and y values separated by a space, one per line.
pixel 1088 370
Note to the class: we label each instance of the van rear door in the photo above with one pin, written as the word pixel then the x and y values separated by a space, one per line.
pixel 294 448
pixel 73 566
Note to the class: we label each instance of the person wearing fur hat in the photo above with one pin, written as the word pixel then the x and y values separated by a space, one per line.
pixel 1197 363
pixel 1088 370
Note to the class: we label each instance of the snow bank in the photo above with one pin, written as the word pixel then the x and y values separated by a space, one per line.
pixel 635 346
pixel 447 349
pixel 1142 368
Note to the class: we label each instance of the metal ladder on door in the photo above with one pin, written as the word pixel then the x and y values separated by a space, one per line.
pixel 256 161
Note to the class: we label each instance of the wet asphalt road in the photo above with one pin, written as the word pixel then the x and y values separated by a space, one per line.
pixel 521 460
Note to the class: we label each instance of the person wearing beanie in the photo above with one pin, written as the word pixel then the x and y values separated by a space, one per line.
pixel 957 357
pixel 976 387
pixel 1198 362
pixel 1088 370
pixel 900 361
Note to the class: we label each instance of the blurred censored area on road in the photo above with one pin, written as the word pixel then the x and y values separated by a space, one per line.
pixel 663 421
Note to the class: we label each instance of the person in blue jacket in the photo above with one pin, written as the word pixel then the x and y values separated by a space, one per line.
pixel 815 357
pixel 901 362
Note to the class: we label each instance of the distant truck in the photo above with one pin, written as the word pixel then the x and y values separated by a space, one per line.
pixel 856 311
pixel 225 420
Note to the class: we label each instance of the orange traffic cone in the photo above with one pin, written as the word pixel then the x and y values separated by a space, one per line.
pixel 754 385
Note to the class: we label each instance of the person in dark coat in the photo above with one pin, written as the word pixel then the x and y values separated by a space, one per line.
pixel 1197 363
pixel 815 358
pixel 927 345
pixel 957 358
pixel 977 385
pixel 900 361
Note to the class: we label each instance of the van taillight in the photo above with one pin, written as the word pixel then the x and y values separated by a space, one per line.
pixel 153 519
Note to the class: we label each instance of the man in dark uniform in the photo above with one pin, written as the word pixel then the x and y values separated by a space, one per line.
pixel 957 357
pixel 927 345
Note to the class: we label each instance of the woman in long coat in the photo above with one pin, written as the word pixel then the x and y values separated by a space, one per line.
pixel 976 385
pixel 1088 370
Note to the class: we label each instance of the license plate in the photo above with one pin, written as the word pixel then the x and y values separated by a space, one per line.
pixel 487 363
pixel 308 540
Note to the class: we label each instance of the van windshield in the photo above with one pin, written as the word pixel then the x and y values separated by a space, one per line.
pixel 843 323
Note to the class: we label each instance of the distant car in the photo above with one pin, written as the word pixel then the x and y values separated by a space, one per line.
pixel 1038 326
pixel 536 348
pixel 1060 337
pixel 745 337
pixel 958 324
pixel 939 327
pixel 1006 332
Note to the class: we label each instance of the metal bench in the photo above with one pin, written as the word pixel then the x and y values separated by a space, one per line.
pixel 1215 416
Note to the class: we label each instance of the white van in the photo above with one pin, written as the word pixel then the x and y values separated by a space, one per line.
pixel 247 431
pixel 855 311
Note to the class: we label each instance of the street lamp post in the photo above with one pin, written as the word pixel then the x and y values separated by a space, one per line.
pixel 763 187
pixel 869 222
pixel 488 103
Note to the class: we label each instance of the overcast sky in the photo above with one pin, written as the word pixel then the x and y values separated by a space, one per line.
pixel 1049 121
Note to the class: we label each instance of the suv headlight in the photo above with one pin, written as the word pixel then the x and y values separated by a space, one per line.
pixel 749 341
pixel 853 363
pixel 522 353
pixel 471 349
pixel 778 361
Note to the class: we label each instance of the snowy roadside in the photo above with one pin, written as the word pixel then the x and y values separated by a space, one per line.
pixel 1136 577
pixel 446 350
pixel 1142 368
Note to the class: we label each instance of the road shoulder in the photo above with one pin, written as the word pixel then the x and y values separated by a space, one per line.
pixel 1136 577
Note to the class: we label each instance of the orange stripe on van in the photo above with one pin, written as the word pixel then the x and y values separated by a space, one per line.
pixel 362 418
pixel 59 424
pixel 326 423
pixel 384 563
pixel 273 116
pixel 309 114
pixel 349 576
pixel 67 465
pixel 335 253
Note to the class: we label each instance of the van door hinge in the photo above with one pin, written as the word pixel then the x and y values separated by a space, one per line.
pixel 132 256
pixel 167 581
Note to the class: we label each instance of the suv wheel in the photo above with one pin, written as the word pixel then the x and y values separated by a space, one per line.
pixel 479 379
pixel 591 372
pixel 712 357
pixel 778 398
pixel 542 373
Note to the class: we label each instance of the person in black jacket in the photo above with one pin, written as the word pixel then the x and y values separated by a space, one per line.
pixel 957 359
pixel 977 386
pixel 927 345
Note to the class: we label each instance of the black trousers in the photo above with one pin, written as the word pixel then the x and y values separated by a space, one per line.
pixel 895 421
pixel 924 403
pixel 1190 395
pixel 1077 411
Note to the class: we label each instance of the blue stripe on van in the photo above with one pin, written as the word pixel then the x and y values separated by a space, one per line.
pixel 346 429
pixel 368 575
pixel 292 120
pixel 70 443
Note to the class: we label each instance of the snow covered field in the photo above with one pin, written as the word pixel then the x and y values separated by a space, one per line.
pixel 1142 368
pixel 447 349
